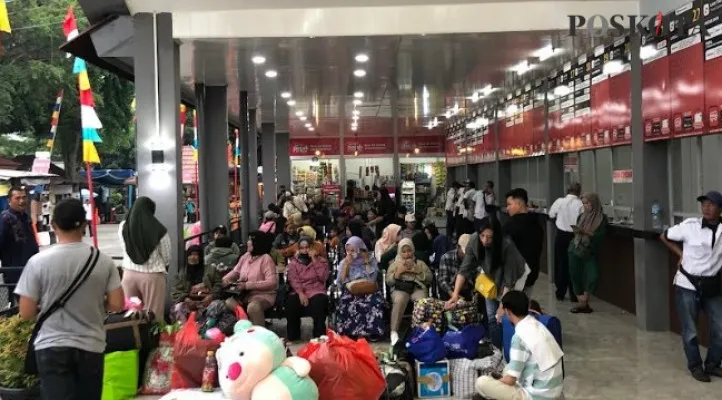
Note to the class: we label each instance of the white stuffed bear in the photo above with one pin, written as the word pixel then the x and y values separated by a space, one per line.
pixel 252 365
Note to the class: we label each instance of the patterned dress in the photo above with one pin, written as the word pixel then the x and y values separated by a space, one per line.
pixel 360 316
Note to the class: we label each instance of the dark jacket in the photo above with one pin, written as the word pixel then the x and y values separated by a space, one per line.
pixel 526 231
pixel 478 259
pixel 17 242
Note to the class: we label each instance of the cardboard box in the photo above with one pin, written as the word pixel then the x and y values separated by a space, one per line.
pixel 433 380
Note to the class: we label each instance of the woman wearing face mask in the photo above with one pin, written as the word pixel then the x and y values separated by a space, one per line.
pixel 496 257
pixel 360 311
pixel 191 291
pixel 307 275
pixel 310 233
pixel 409 279
pixel 254 279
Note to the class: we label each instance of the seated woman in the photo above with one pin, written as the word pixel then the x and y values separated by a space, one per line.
pixel 440 244
pixel 409 279
pixel 388 240
pixel 253 281
pixel 495 256
pixel 307 276
pixel 309 232
pixel 360 309
pixel 191 291
pixel 220 262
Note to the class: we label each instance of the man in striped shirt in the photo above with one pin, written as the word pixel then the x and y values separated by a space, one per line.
pixel 534 371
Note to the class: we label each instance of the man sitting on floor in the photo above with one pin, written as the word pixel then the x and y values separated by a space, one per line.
pixel 535 360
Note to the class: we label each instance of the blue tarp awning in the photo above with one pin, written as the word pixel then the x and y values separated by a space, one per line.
pixel 110 177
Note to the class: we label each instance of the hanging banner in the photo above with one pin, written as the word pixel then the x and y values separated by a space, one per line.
pixel 41 163
pixel 622 176
pixel 422 144
pixel 310 147
pixel 188 164
pixel 358 146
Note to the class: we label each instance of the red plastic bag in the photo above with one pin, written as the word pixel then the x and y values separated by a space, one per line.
pixel 189 356
pixel 344 369
pixel 157 375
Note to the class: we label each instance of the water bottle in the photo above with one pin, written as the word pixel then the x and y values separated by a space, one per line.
pixel 656 215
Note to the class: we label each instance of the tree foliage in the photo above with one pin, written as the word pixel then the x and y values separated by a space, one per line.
pixel 33 70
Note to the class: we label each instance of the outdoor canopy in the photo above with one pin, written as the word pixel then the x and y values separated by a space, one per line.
pixel 110 177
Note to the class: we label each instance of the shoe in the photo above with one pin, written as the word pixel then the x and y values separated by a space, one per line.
pixel 574 299
pixel 582 310
pixel 715 372
pixel 700 375
pixel 394 338
pixel 560 298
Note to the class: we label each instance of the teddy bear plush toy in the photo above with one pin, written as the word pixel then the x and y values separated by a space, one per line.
pixel 252 365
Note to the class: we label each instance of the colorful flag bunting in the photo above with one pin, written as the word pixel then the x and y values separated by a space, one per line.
pixel 237 151
pixel 79 65
pixel 4 19
pixel 54 119
pixel 70 27
pixel 89 118
pixel 195 136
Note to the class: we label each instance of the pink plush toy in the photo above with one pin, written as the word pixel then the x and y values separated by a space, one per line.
pixel 252 365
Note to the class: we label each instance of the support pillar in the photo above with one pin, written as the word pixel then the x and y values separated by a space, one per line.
pixel 394 100
pixel 157 84
pixel 253 169
pixel 268 156
pixel 342 145
pixel 212 146
pixel 648 164
pixel 283 159
pixel 246 190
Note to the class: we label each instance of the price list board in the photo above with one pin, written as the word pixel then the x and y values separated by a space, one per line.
pixel 488 134
pixel 712 36
pixel 582 103
pixel 554 144
pixel 475 138
pixel 656 86
pixel 537 117
pixel 619 105
pixel 566 105
pixel 600 125
pixel 525 129
pixel 686 69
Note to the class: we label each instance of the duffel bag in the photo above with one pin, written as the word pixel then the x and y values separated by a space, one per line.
pixel 464 313
pixel 465 372
pixel 399 376
pixel 124 332
pixel 431 311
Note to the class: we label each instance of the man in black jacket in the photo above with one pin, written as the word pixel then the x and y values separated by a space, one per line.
pixel 525 230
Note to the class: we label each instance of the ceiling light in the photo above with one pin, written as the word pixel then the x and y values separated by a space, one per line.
pixel 362 57
pixel 318 152
pixel 359 73
pixel 308 125
pixel 475 97
pixel 258 60
pixel 431 125
pixel 355 117
pixel 357 102
pixel 613 67
pixel 481 122
pixel 353 128
pixel 417 150
pixel 299 113
pixel 512 109
pixel 358 95
pixel 562 90
pixel 356 112
pixel 647 52
pixel 311 129
pixel 522 67
pixel 286 95
pixel 302 118
pixel 436 122
pixel 271 73
pixel 487 90
pixel 456 108
pixel 448 114
pixel 546 52
pixel 471 125
pixel 291 103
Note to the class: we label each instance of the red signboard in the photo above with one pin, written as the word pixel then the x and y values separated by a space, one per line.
pixel 713 66
pixel 310 147
pixel 369 146
pixel 424 144
pixel 619 107
pixel 189 169
pixel 600 122
pixel 655 91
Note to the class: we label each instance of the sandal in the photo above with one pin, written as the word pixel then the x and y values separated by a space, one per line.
pixel 582 310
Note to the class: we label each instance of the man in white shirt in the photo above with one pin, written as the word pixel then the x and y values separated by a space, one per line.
pixel 459 208
pixel 698 283
pixel 565 210
pixel 483 199
pixel 450 205
pixel 467 209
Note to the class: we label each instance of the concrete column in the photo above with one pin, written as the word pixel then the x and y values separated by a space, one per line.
pixel 157 85
pixel 342 145
pixel 394 100
pixel 648 164
pixel 268 155
pixel 503 168
pixel 253 169
pixel 212 148
pixel 283 159
pixel 246 190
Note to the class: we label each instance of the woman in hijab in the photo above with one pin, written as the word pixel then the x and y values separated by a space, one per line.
pixel 495 256
pixel 588 235
pixel 422 246
pixel 389 238
pixel 355 227
pixel 254 278
pixel 440 245
pixel 190 291
pixel 307 276
pixel 308 232
pixel 359 315
pixel 409 278
pixel 146 257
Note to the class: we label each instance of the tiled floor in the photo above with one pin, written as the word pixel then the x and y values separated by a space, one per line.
pixel 607 358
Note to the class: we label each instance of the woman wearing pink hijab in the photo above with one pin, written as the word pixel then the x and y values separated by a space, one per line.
pixel 389 238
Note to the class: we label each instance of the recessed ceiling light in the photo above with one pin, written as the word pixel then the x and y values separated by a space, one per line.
pixel 286 95
pixel 299 113
pixel 258 60
pixel 355 117
pixel 354 127
pixel 356 112
pixel 303 118
pixel 360 73
pixel 308 125
pixel 311 129
pixel 357 102
pixel 271 73
pixel 362 57
pixel 358 95
pixel 291 103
